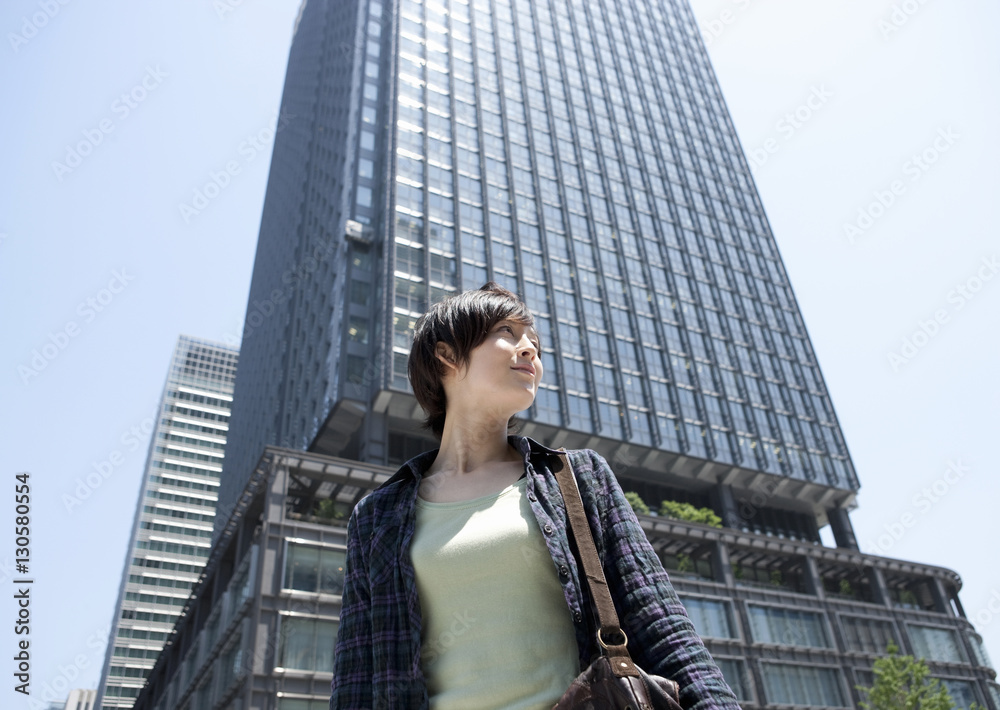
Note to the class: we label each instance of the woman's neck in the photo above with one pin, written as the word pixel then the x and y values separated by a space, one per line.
pixel 468 445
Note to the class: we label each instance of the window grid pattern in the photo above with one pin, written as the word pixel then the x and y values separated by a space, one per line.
pixel 936 644
pixel 789 627
pixel 570 152
pixel 868 635
pixel 712 618
pixel 786 684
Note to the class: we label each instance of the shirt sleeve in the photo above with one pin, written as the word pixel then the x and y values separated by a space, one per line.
pixel 662 639
pixel 353 654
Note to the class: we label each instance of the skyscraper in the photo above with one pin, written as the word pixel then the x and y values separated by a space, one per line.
pixel 173 518
pixel 441 145
pixel 580 153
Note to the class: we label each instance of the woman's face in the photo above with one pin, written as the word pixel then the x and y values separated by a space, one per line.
pixel 503 371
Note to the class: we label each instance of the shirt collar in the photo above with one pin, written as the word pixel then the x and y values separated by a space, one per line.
pixel 415 468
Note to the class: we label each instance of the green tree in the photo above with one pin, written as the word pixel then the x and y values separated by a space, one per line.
pixel 686 511
pixel 329 510
pixel 904 683
pixel 637 503
pixel 684 563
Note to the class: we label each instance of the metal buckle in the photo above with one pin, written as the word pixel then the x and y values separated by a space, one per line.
pixel 605 645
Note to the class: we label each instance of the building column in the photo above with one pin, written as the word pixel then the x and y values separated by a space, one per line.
pixel 722 568
pixel 374 444
pixel 940 597
pixel 843 531
pixel 810 575
pixel 880 590
pixel 725 503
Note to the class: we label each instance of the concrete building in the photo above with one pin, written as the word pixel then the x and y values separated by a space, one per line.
pixel 581 154
pixel 80 699
pixel 171 534
pixel 790 622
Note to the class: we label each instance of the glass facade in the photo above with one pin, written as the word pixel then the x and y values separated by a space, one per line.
pixel 579 153
pixel 961 692
pixel 788 627
pixel 868 635
pixel 711 617
pixel 737 677
pixel 310 568
pixel 175 514
pixel 525 152
pixel 307 644
pixel 787 684
pixel 935 644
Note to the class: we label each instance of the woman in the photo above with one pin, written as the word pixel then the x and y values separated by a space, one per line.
pixel 462 590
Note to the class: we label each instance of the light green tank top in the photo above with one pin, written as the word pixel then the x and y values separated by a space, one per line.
pixel 496 629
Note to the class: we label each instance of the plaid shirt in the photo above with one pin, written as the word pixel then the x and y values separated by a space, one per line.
pixel 377 657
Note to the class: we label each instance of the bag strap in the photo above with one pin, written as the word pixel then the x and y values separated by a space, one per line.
pixel 610 636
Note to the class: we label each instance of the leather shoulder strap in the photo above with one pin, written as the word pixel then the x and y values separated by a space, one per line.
pixel 610 635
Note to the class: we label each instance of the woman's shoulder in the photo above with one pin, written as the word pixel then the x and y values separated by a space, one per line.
pixel 589 461
pixel 591 470
pixel 387 501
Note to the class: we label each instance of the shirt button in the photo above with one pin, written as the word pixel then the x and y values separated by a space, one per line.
pixel 547 529
pixel 564 571
pixel 577 617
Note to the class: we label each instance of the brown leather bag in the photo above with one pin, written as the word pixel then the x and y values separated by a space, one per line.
pixel 612 681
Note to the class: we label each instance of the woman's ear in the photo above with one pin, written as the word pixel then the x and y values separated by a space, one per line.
pixel 446 354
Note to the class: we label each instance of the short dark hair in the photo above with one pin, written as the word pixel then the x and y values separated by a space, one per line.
pixel 462 322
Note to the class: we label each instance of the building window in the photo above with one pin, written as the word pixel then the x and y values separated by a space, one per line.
pixel 868 635
pixel 357 330
pixel 711 617
pixel 547 406
pixel 802 685
pixel 356 366
pixel 787 627
pixel 962 693
pixel 307 644
pixel 735 673
pixel 311 568
pixel 979 651
pixel 935 644
pixel 994 693
pixel 367 140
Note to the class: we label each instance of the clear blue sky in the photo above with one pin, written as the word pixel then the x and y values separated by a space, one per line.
pixel 200 85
